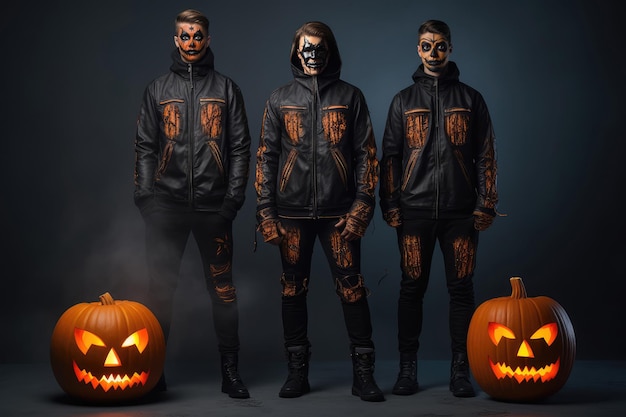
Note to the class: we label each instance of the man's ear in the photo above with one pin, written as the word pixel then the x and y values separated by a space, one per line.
pixel 176 41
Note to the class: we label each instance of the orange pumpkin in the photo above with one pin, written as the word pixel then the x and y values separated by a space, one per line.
pixel 520 348
pixel 107 351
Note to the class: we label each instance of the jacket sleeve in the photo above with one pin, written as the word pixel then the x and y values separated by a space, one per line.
pixel 391 162
pixel 267 158
pixel 146 151
pixel 486 164
pixel 366 162
pixel 239 153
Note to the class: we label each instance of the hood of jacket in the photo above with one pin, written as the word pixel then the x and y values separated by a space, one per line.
pixel 200 68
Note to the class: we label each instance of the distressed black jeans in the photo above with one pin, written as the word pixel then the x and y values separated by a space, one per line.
pixel 344 260
pixel 167 233
pixel 458 241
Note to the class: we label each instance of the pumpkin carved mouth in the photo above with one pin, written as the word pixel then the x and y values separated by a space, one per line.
pixel 545 373
pixel 106 382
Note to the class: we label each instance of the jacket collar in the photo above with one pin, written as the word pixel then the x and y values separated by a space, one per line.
pixel 201 68
pixel 451 74
pixel 325 79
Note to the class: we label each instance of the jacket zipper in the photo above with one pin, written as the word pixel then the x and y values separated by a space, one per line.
pixel 314 144
pixel 190 135
pixel 437 148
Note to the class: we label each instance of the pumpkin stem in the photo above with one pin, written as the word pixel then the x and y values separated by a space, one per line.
pixel 519 291
pixel 106 299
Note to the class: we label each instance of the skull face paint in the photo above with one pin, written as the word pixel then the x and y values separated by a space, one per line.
pixel 313 54
pixel 434 51
pixel 192 42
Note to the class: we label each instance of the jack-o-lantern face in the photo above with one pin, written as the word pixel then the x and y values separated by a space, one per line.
pixel 112 374
pixel 107 351
pixel 523 369
pixel 520 348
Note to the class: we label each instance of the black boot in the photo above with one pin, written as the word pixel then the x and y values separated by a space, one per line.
pixel 460 384
pixel 231 381
pixel 363 383
pixel 297 382
pixel 406 384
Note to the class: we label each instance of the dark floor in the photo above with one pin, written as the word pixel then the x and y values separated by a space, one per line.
pixel 595 388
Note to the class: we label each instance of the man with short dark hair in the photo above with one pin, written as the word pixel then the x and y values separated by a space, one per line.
pixel 438 183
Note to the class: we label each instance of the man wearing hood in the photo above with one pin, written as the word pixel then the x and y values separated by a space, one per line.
pixel 315 179
pixel 438 183
pixel 192 163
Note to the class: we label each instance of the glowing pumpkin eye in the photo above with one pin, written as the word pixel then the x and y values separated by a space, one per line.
pixel 547 332
pixel 139 339
pixel 497 331
pixel 85 340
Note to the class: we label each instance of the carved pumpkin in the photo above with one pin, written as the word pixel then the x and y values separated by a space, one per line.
pixel 108 350
pixel 520 348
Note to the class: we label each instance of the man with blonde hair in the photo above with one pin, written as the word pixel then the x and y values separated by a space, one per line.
pixel 192 163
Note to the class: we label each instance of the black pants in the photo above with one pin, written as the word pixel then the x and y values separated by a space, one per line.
pixel 458 241
pixel 167 233
pixel 344 259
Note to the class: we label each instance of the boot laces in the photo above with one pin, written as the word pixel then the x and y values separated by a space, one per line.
pixel 407 369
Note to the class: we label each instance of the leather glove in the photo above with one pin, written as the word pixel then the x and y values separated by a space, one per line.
pixel 354 223
pixel 270 227
pixel 393 217
pixel 482 221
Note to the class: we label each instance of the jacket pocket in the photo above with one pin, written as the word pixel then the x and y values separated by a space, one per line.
pixel 334 122
pixel 340 161
pixel 459 158
pixel 171 111
pixel 287 169
pixel 165 158
pixel 457 121
pixel 417 126
pixel 292 119
pixel 409 168
pixel 171 114
pixel 211 119
pixel 217 155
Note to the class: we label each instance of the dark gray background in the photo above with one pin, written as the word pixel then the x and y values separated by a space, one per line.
pixel 551 73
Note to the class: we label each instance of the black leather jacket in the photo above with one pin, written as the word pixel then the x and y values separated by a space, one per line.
pixel 439 157
pixel 317 153
pixel 192 143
